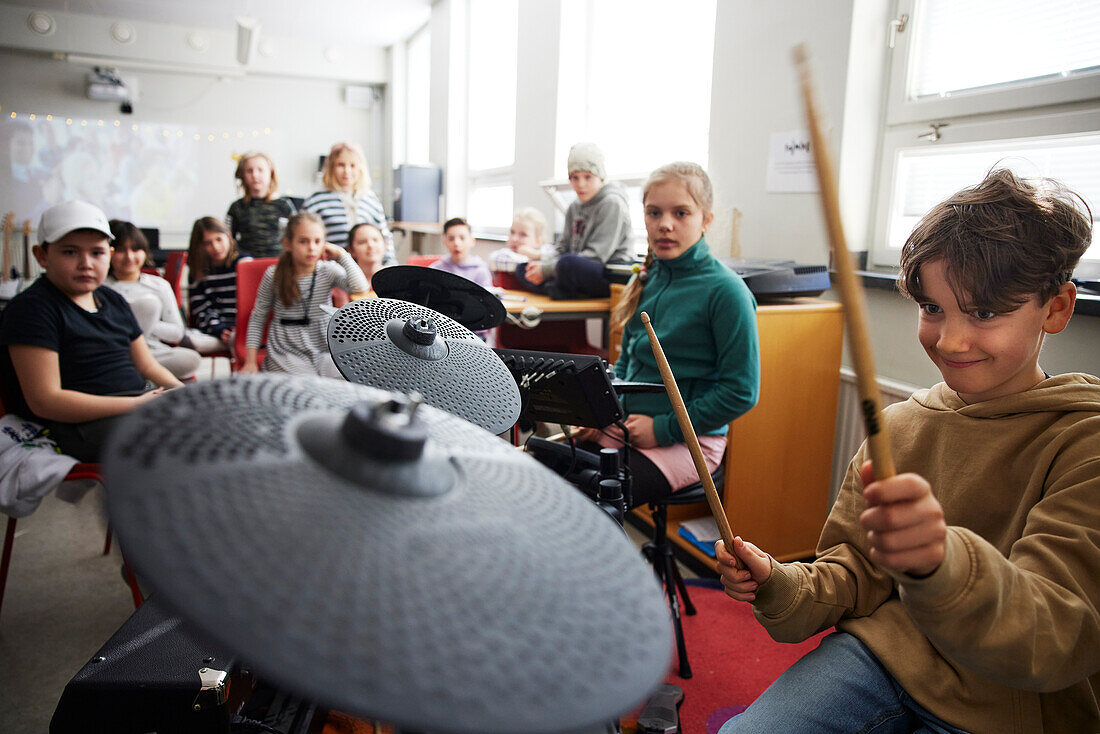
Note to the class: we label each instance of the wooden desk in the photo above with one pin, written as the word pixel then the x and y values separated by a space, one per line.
pixel 779 455
pixel 561 324
pixel 417 232
pixel 585 308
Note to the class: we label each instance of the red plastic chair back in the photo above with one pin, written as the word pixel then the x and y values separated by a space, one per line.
pixel 424 260
pixel 249 275
pixel 173 272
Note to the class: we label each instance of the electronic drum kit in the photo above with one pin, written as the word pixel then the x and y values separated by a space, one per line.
pixel 391 559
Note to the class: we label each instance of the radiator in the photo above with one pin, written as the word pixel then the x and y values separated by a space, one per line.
pixel 849 421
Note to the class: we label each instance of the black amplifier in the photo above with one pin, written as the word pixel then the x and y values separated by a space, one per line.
pixel 157 675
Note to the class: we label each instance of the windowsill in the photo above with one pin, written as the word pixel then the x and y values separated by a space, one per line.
pixel 489 236
pixel 1088 304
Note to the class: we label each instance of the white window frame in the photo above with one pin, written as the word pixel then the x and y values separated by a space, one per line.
pixel 488 177
pixel 1030 109
pixel 1009 96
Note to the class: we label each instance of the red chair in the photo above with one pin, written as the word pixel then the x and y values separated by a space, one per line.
pixel 423 260
pixel 173 272
pixel 249 275
pixel 78 472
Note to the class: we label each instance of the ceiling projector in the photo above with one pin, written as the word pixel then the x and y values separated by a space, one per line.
pixel 105 85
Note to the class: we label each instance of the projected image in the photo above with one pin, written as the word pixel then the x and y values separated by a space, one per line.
pixel 143 173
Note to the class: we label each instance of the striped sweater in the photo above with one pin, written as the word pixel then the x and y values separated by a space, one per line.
pixel 297 347
pixel 212 301
pixel 329 205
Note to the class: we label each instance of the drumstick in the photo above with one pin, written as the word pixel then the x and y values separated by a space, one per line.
pixel 851 295
pixel 692 440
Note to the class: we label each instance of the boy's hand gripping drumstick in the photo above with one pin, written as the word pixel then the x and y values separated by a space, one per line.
pixel 855 310
pixel 692 440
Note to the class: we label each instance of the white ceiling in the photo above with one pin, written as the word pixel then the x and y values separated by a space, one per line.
pixel 373 22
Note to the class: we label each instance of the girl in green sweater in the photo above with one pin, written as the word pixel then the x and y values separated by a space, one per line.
pixel 705 318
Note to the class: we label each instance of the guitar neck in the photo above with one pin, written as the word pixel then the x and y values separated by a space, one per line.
pixel 27 249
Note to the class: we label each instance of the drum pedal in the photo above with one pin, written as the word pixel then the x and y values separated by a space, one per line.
pixel 661 714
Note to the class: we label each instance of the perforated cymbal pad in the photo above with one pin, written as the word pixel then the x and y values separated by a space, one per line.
pixel 464 377
pixel 494 598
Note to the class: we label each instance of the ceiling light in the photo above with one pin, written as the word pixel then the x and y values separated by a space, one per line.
pixel 123 32
pixel 41 23
pixel 197 41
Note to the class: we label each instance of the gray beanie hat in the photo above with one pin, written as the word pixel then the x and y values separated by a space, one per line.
pixel 587 157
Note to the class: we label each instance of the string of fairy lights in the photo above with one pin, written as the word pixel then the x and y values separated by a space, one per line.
pixel 165 130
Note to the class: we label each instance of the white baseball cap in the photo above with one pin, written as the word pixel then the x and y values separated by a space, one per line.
pixel 60 219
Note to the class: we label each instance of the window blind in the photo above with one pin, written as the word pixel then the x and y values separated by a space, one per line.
pixel 966 45
pixel 926 176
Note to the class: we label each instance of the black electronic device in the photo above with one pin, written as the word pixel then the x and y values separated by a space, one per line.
pixel 457 298
pixel 157 255
pixel 556 387
pixel 661 714
pixel 152 675
pixel 780 278
pixel 1087 276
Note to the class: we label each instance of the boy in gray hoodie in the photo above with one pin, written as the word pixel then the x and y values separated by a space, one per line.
pixel 596 232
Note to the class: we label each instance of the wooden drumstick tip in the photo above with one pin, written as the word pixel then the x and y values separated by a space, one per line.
pixel 645 318
pixel 798 52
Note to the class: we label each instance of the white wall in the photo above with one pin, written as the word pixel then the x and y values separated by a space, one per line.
pixel 756 92
pixel 286 95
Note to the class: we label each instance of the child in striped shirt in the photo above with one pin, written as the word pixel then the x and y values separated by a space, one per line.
pixel 348 199
pixel 212 286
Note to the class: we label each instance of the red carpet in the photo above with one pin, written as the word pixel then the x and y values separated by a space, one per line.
pixel 732 658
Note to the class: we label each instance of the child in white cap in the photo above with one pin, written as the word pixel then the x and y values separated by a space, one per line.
pixel 596 233
pixel 73 355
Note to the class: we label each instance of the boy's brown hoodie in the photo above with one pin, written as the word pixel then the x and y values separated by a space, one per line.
pixel 1005 635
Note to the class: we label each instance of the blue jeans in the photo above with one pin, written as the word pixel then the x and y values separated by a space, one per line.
pixel 840 687
pixel 574 277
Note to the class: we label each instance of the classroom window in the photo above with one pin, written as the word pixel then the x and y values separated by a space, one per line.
pixel 491 110
pixel 926 176
pixel 634 77
pixel 964 98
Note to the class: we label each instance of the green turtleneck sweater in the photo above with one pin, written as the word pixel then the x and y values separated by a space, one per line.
pixel 705 318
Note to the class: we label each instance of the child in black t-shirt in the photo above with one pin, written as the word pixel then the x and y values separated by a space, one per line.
pixel 75 356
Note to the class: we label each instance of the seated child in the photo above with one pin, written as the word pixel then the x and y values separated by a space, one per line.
pixel 460 261
pixel 292 291
pixel 368 248
pixel 965 590
pixel 256 220
pixel 212 286
pixel 75 358
pixel 596 232
pixel 526 240
pixel 151 299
